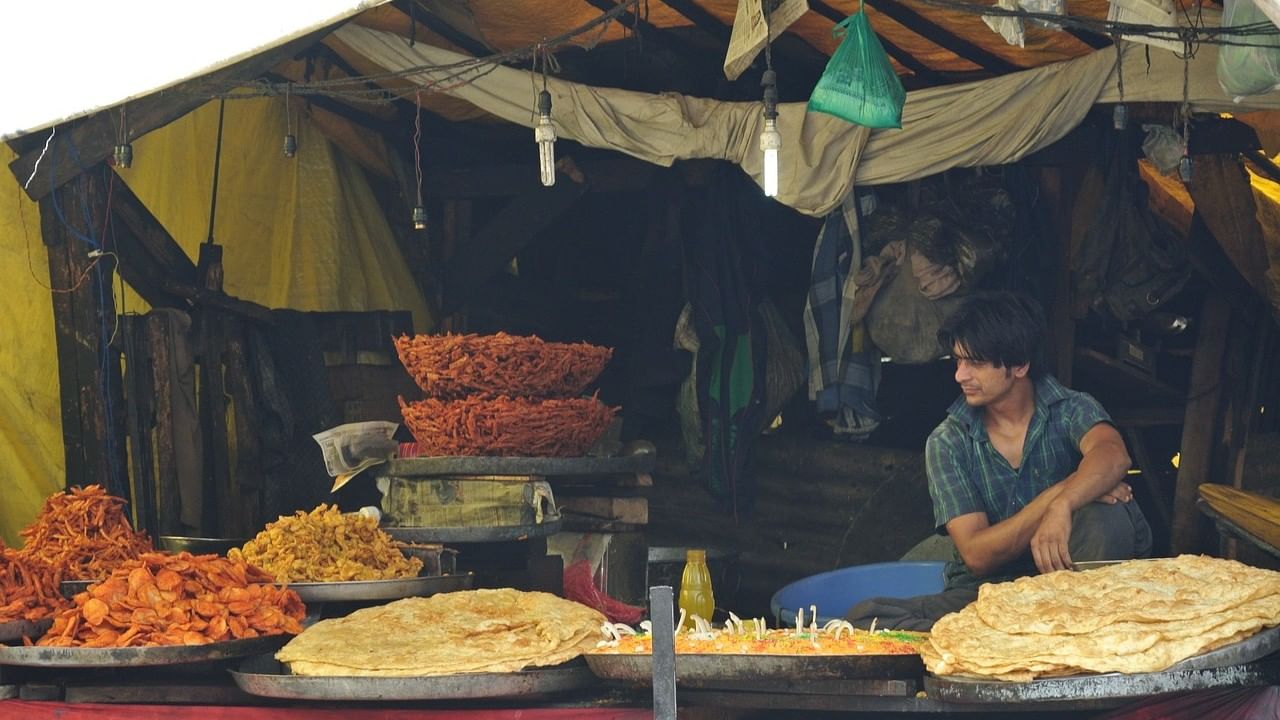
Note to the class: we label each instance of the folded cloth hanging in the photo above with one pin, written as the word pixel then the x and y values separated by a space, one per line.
pixel 842 382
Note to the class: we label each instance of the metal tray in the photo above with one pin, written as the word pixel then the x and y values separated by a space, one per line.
pixel 265 677
pixel 502 533
pixel 742 671
pixel 1227 665
pixel 18 629
pixel 138 656
pixel 356 591
pixel 640 462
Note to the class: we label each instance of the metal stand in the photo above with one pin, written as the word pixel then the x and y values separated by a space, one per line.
pixel 662 614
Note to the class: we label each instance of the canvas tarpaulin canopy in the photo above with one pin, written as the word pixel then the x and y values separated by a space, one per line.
pixel 303 233
pixel 982 123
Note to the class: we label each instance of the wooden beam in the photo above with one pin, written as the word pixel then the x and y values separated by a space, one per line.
pixel 416 10
pixel 938 35
pixel 509 231
pixel 209 328
pixel 93 424
pixel 1200 423
pixel 149 256
pixel 85 142
pixel 651 32
pixel 905 58
pixel 159 330
pixel 793 49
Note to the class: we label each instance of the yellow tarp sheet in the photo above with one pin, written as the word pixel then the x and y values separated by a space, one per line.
pixel 303 233
pixel 30 414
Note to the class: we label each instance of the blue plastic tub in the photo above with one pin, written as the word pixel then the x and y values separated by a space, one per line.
pixel 836 591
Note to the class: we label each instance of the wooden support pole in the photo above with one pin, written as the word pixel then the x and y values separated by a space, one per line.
pixel 168 495
pixel 218 503
pixel 1058 185
pixel 1200 424
pixel 71 222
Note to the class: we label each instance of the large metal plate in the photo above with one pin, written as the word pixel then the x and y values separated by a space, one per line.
pixel 265 677
pixel 358 591
pixel 742 671
pixel 1215 668
pixel 433 466
pixel 138 656
pixel 502 533
pixel 1106 686
pixel 19 629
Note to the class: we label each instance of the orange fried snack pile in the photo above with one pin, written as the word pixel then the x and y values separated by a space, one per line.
pixel 181 599
pixel 83 533
pixel 29 589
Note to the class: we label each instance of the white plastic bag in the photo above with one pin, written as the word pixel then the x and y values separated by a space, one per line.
pixel 1248 70
pixel 1046 7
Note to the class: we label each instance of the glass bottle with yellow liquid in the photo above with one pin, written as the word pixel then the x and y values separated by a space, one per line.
pixel 696 597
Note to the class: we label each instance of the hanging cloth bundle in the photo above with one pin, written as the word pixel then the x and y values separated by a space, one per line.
pixel 859 84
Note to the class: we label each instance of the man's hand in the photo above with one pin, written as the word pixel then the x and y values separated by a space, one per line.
pixel 1049 544
pixel 1122 492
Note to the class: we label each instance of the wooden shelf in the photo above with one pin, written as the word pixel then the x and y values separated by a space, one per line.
pixel 1124 379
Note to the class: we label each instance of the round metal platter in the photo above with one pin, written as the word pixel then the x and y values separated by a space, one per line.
pixel 1223 667
pixel 356 591
pixel 503 533
pixel 138 656
pixel 19 629
pixel 265 677
pixel 736 670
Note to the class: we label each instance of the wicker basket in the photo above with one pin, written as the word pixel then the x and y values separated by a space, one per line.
pixel 512 427
pixel 455 366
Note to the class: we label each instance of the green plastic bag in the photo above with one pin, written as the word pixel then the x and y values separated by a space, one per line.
pixel 859 84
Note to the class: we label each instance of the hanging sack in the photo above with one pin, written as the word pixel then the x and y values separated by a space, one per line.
pixel 1254 67
pixel 859 84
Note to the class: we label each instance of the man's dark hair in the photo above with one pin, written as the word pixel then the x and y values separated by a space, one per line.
pixel 1003 328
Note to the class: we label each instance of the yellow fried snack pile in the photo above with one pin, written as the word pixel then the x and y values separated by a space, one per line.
pixel 326 545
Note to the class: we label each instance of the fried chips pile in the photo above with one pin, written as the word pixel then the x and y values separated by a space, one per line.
pixel 1138 616
pixel 83 533
pixel 29 588
pixel 181 599
pixel 470 631
pixel 326 545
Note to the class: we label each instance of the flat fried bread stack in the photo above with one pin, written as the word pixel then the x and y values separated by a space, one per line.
pixel 1137 616
pixel 461 632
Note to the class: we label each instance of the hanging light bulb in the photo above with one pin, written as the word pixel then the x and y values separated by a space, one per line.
pixel 545 135
pixel 1186 168
pixel 770 138
pixel 1120 117
pixel 419 218
pixel 123 155
pixel 290 145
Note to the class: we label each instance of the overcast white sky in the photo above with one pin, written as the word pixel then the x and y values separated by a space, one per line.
pixel 62 60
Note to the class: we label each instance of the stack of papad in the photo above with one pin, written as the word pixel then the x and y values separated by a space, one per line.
pixel 1137 616
pixel 461 632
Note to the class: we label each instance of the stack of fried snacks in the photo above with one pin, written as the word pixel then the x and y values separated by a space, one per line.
pixel 84 534
pixel 518 427
pixel 471 631
pixel 326 545
pixel 1134 617
pixel 181 599
pixel 453 366
pixel 29 589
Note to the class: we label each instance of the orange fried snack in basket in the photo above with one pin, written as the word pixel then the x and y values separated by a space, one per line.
pixel 29 589
pixel 452 366
pixel 513 427
pixel 83 533
pixel 181 599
